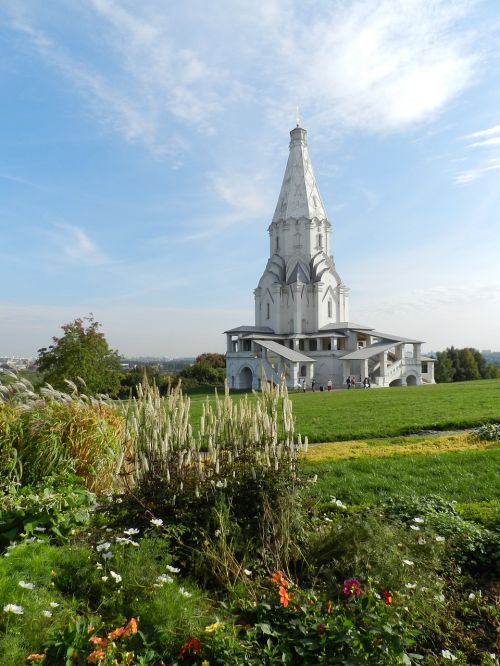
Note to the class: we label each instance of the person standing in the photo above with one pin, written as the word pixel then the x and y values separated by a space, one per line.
pixel 313 384
pixel 304 385
pixel 329 385
pixel 348 382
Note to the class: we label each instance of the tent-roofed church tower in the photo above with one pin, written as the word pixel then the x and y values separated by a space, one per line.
pixel 302 329
pixel 300 290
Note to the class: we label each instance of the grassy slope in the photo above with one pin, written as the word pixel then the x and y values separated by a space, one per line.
pixel 413 466
pixel 345 415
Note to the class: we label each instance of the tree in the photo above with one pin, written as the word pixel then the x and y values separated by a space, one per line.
pixel 212 358
pixel 444 370
pixel 82 352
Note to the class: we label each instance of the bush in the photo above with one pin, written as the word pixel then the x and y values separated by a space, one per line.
pixel 50 510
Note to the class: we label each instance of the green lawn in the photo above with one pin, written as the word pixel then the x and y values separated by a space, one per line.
pixel 461 476
pixel 343 415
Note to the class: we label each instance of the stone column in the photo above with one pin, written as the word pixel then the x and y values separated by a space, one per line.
pixel 363 368
pixel 383 367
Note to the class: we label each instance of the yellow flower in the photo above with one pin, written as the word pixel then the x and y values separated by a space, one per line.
pixel 213 627
pixel 205 662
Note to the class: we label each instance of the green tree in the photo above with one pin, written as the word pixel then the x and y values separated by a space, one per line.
pixel 82 352
pixel 212 358
pixel 444 370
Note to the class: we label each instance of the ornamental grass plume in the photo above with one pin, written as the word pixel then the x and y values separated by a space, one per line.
pixel 244 438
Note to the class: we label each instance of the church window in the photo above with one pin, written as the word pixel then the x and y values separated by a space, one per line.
pixel 320 241
pixel 301 345
pixel 277 243
pixel 268 311
pixel 303 370
pixel 313 345
pixel 330 309
pixel 424 367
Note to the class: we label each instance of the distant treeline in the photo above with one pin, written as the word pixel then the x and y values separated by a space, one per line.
pixel 208 370
pixel 459 365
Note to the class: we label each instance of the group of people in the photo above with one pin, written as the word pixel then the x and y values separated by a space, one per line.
pixel 350 381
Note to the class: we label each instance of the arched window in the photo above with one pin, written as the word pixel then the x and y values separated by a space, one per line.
pixel 303 371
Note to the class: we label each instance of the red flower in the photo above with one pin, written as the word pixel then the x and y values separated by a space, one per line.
pixel 279 578
pixel 130 627
pixel 329 607
pixel 96 656
pixel 321 628
pixel 387 597
pixel 284 597
pixel 193 645
pixel 352 587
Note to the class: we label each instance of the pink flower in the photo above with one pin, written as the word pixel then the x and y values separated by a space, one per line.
pixel 352 587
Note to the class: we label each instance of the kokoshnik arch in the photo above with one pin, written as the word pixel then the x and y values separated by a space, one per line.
pixel 302 327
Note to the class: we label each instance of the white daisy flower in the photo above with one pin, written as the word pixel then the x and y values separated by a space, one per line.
pixel 184 592
pixel 25 585
pixel 12 608
pixel 47 613
pixel 157 522
pixel 172 569
pixel 117 577
pixel 131 531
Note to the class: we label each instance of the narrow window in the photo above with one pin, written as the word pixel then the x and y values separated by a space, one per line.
pixel 268 311
pixel 277 243
pixel 329 309
pixel 320 241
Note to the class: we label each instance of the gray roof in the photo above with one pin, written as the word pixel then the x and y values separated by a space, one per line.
pixel 250 329
pixel 367 352
pixel 388 336
pixel 286 352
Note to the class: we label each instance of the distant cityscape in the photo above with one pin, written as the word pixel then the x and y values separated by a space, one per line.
pixel 165 363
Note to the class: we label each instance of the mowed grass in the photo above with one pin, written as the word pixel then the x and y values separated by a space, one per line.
pixel 363 473
pixel 347 415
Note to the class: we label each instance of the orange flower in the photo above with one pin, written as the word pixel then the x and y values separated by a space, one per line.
pixel 329 607
pixel 97 640
pixel 116 633
pixel 96 656
pixel 277 577
pixel 387 596
pixel 284 597
pixel 130 627
pixel 35 657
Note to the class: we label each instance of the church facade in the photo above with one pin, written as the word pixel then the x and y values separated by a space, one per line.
pixel 302 328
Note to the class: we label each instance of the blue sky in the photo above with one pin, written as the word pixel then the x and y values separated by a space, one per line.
pixel 142 147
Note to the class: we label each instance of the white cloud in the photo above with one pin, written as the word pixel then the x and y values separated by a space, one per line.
pixel 77 247
pixel 486 132
pixel 487 143
pixel 378 65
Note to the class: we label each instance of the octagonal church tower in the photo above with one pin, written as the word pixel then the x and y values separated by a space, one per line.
pixel 302 329
pixel 300 290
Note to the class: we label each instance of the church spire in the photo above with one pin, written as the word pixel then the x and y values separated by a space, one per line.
pixel 299 195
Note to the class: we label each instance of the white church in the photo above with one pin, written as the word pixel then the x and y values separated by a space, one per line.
pixel 302 327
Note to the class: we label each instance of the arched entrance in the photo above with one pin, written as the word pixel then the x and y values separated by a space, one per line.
pixel 411 380
pixel 396 382
pixel 246 378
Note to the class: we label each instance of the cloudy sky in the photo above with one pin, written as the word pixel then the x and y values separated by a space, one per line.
pixel 142 147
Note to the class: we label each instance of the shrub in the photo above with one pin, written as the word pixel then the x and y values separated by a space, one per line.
pixel 50 510
pixel 10 433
